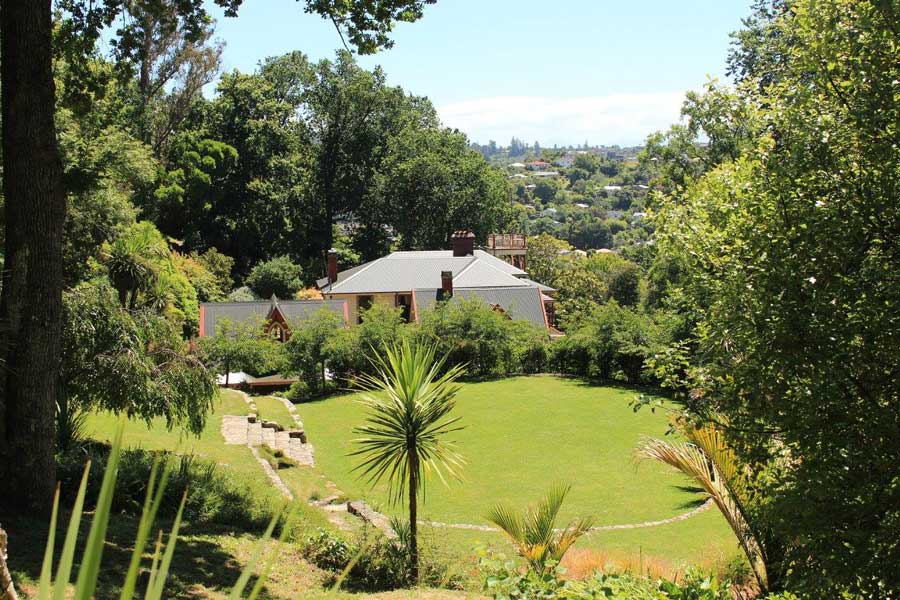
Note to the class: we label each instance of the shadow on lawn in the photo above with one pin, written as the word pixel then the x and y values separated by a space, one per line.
pixel 199 566
pixel 697 501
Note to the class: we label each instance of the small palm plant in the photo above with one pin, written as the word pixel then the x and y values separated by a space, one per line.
pixel 707 458
pixel 534 533
pixel 409 401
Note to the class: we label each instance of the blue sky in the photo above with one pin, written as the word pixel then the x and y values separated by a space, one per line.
pixel 563 72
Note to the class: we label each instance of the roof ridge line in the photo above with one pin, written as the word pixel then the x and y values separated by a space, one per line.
pixel 487 263
pixel 467 267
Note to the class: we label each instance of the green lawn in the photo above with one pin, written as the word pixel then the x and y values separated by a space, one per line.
pixel 273 409
pixel 234 460
pixel 521 436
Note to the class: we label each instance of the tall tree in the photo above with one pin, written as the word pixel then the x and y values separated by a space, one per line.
pixel 174 57
pixel 432 184
pixel 352 116
pixel 31 300
pixel 792 261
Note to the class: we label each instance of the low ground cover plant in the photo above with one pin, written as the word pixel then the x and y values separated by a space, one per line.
pixel 505 580
pixel 371 562
pixel 213 496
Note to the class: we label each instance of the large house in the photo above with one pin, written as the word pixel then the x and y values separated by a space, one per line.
pixel 413 281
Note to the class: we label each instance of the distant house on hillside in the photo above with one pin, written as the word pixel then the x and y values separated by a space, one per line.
pixel 565 161
pixel 545 174
pixel 517 165
pixel 538 165
pixel 415 280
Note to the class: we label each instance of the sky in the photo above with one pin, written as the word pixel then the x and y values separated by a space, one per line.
pixel 565 72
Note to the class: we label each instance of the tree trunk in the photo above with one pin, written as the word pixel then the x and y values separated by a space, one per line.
pixel 31 299
pixel 7 589
pixel 413 516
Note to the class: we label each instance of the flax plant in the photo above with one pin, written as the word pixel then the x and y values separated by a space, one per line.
pixel 409 400
pixel 52 587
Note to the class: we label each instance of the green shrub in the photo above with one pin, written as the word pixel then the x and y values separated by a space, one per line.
pixel 213 496
pixel 624 586
pixel 299 392
pixel 347 350
pixel 279 276
pixel 696 585
pixel 530 348
pixel 488 341
pixel 504 580
pixel 571 354
pixel 327 550
pixel 305 351
pixel 612 343
pixel 380 564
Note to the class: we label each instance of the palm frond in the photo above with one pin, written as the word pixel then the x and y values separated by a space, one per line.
pixel 534 532
pixel 408 402
pixel 709 461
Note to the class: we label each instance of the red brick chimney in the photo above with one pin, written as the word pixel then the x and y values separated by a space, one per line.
pixel 332 266
pixel 463 243
pixel 446 285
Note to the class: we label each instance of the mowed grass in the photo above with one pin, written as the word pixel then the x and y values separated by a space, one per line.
pixel 273 409
pixel 233 460
pixel 522 435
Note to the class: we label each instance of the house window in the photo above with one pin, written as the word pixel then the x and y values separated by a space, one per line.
pixel 363 303
pixel 276 332
pixel 404 303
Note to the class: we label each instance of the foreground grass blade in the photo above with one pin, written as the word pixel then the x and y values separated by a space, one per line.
pixel 154 565
pixel 93 549
pixel 340 580
pixel 241 583
pixel 155 593
pixel 47 567
pixel 64 570
pixel 148 516
pixel 269 563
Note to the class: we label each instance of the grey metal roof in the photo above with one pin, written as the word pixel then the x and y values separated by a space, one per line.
pixel 520 302
pixel 297 310
pixel 540 286
pixel 214 313
pixel 404 271
pixel 342 275
pixel 480 273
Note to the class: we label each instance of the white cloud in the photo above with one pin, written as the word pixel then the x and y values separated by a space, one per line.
pixel 614 119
